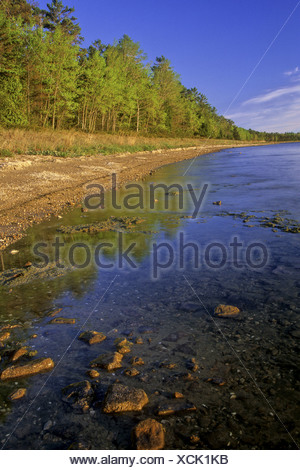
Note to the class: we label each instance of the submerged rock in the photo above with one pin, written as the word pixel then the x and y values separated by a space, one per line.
pixel 149 435
pixel 137 361
pixel 123 346
pixel 226 311
pixel 92 337
pixel 192 365
pixel 132 372
pixel 4 336
pixel 79 395
pixel 172 408
pixel 120 398
pixel 32 368
pixel 20 353
pixel 94 374
pixel 217 203
pixel 20 393
pixel 109 361
pixel 216 381
pixel 62 321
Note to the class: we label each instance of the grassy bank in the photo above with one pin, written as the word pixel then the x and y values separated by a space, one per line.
pixel 72 144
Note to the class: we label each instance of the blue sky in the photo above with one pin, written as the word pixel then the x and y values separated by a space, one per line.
pixel 214 45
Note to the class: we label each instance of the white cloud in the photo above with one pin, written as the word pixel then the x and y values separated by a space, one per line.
pixel 295 71
pixel 276 110
pixel 273 95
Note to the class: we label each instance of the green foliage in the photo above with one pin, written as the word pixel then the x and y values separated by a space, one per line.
pixel 47 81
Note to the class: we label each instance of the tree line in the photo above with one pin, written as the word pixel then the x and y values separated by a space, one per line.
pixel 48 80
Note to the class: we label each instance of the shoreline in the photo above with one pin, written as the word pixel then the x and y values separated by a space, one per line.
pixel 36 188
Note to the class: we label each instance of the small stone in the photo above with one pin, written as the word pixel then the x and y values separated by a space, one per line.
pixel 192 365
pixel 48 425
pixel 79 395
pixel 19 353
pixel 194 439
pixel 216 381
pixel 27 265
pixel 295 333
pixel 149 435
pixel 137 361
pixel 226 311
pixel 120 398
pixel 132 372
pixel 4 336
pixel 20 393
pixel 94 374
pixel 217 203
pixel 55 312
pixel 62 321
pixel 123 346
pixel 109 361
pixel 92 337
pixel 172 408
pixel 34 367
pixel 167 365
pixel 178 395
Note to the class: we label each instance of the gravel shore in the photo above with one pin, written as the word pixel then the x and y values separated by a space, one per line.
pixel 34 188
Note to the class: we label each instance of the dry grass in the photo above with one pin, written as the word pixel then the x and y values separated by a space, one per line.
pixel 73 143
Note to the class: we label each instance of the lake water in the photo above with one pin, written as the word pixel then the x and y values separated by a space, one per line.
pixel 246 386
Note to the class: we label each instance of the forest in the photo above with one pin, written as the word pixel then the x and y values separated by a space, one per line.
pixel 48 80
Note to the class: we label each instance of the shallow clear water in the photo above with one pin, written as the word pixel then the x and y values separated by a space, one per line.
pixel 256 356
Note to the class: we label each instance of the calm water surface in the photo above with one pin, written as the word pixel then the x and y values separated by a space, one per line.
pixel 255 356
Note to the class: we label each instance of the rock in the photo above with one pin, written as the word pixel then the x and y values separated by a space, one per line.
pixel 55 312
pixel 172 408
pixel 295 333
pixel 19 353
pixel 62 321
pixel 192 365
pixel 94 374
pixel 216 381
pixel 123 346
pixel 226 311
pixel 217 203
pixel 109 361
pixel 92 337
pixel 167 365
pixel 120 398
pixel 139 340
pixel 149 435
pixel 132 372
pixel 79 395
pixel 178 395
pixel 34 367
pixel 4 336
pixel 137 361
pixel 194 439
pixel 20 393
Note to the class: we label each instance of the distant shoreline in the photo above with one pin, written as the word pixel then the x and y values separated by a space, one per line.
pixel 36 188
